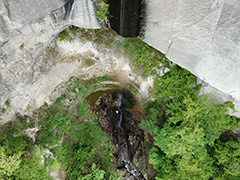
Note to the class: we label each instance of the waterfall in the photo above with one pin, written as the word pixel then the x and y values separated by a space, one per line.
pixel 119 111
pixel 120 100
pixel 125 16
pixel 122 10
pixel 120 121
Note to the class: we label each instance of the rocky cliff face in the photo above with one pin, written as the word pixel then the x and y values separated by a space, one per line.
pixel 202 36
pixel 26 30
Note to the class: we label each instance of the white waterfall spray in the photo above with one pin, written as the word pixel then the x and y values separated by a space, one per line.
pixel 122 17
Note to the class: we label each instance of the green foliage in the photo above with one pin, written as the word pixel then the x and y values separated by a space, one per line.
pixel 32 167
pixel 14 144
pixel 153 116
pixel 3 110
pixel 55 165
pixel 93 146
pixel 83 109
pixel 8 163
pixel 102 13
pixel 21 46
pixel 8 104
pixel 145 59
pixel 95 174
pixel 228 158
pixel 64 36
pixel 19 160
pixel 7 108
pixel 186 130
pixel 156 24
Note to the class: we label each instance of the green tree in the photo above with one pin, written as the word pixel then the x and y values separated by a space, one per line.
pixel 228 158
pixel 89 145
pixel 19 160
pixel 32 167
pixel 102 13
pixel 185 129
pixel 8 163
pixel 95 174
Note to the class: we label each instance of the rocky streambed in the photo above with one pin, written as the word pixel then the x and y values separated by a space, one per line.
pixel 119 117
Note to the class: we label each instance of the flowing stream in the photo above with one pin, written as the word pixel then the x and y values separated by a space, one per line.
pixel 122 137
pixel 118 111
pixel 115 111
pixel 123 144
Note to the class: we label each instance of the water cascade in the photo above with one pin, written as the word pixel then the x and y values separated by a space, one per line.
pixel 118 112
pixel 114 113
pixel 115 109
pixel 122 10
pixel 125 16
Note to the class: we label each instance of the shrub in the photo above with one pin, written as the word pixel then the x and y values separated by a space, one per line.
pixel 186 129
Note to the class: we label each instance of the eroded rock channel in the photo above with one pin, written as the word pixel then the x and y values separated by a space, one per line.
pixel 119 118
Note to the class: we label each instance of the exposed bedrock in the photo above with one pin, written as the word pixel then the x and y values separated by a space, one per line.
pixel 26 30
pixel 202 36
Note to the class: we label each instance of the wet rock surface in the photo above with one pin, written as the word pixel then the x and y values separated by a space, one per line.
pixel 126 136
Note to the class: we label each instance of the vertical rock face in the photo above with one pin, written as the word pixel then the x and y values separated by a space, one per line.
pixel 202 36
pixel 16 14
pixel 26 30
pixel 125 16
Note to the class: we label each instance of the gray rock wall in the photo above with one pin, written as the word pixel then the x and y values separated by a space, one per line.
pixel 33 25
pixel 16 14
pixel 202 36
